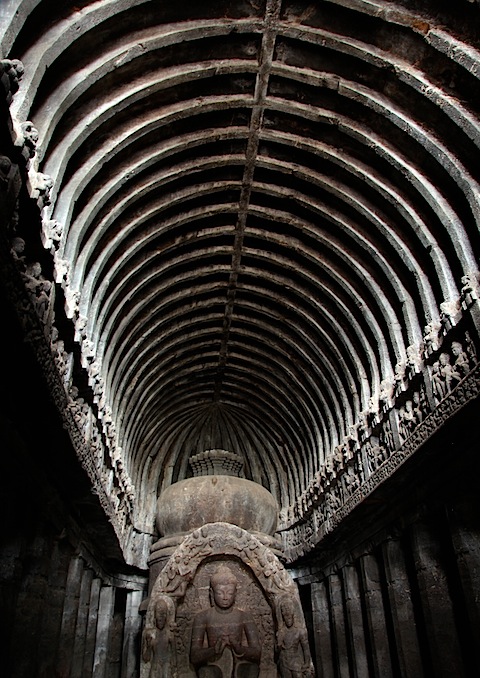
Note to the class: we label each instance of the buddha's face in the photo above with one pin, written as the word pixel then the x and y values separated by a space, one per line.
pixel 224 594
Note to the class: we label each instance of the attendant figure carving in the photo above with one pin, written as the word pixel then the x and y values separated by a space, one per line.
pixel 157 643
pixel 225 641
pixel 407 421
pixel 461 364
pixel 18 253
pixel 294 653
pixel 419 407
pixel 444 377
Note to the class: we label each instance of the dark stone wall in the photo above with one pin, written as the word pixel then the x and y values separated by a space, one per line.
pixel 397 594
pixel 68 603
pixel 61 613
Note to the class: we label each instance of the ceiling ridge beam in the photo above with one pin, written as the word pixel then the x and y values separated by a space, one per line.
pixel 271 20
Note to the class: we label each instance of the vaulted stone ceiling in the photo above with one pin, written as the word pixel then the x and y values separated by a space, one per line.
pixel 264 206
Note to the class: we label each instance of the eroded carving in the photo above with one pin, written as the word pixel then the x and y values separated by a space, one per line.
pixel 227 586
pixel 450 313
pixel 30 138
pixel 407 421
pixel 158 639
pixel 18 253
pixel 444 377
pixel 39 290
pixel 52 231
pixel 292 643
pixel 462 363
pixel 13 71
pixel 381 463
pixel 431 338
pixel 42 186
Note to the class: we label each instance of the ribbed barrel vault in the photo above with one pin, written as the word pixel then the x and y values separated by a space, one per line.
pixel 262 204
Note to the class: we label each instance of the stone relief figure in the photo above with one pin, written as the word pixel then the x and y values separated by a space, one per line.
pixel 292 643
pixel 5 167
pixel 420 406
pixel 431 337
pixel 18 253
pixel 39 289
pixel 158 640
pixel 42 188
pixel 461 364
pixel 30 138
pixel 226 587
pixel 444 377
pixel 225 641
pixel 13 70
pixel 386 438
pixel 407 421
pixel 375 455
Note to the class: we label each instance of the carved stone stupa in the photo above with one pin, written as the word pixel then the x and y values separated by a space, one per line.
pixel 221 603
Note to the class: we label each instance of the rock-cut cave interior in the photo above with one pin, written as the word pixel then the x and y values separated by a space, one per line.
pixel 239 277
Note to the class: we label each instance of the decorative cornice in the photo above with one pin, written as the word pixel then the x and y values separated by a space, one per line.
pixel 324 518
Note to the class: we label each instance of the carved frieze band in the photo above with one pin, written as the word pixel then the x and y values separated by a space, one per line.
pixel 78 418
pixel 337 502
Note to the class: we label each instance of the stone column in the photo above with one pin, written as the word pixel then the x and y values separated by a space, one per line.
pixel 465 532
pixel 339 632
pixel 105 614
pixel 375 614
pixel 115 636
pixel 322 631
pixel 81 625
pixel 91 633
pixel 132 631
pixel 28 612
pixel 69 615
pixel 10 558
pixel 445 653
pixel 401 606
pixel 353 605
pixel 53 608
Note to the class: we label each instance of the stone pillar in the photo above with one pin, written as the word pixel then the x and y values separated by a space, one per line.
pixel 131 635
pixel 69 616
pixel 105 614
pixel 53 608
pixel 437 606
pixel 115 636
pixel 353 605
pixel 465 532
pixel 91 633
pixel 338 620
pixel 322 631
pixel 10 558
pixel 81 625
pixel 375 614
pixel 401 605
pixel 28 612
